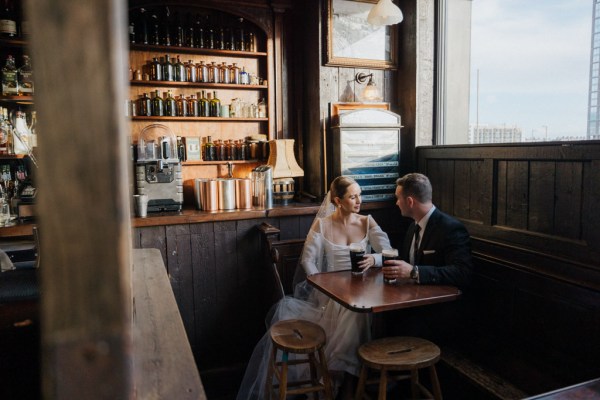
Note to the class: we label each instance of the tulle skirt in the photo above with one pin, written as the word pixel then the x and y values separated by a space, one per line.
pixel 345 331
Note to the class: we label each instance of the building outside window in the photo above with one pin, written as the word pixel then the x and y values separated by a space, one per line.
pixel 517 71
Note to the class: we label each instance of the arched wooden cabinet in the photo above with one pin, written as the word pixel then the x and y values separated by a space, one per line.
pixel 257 18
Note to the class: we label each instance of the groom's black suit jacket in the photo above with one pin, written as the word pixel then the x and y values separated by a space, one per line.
pixel 444 254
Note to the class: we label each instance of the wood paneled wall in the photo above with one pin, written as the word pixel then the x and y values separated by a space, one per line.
pixel 218 278
pixel 531 211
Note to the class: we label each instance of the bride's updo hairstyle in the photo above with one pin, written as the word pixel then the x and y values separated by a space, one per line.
pixel 339 187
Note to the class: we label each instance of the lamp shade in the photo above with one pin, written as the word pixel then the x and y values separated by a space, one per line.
pixel 282 159
pixel 371 93
pixel 385 13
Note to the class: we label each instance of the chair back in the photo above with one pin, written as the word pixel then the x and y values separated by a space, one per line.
pixel 282 257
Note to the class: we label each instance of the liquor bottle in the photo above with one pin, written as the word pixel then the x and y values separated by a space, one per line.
pixel 240 41
pixel 166 27
pixel 168 70
pixel 219 38
pixel 210 153
pixel 155 29
pixel 262 108
pixel 180 75
pixel 8 19
pixel 182 106
pixel 230 36
pixel 156 70
pixel 10 140
pixel 213 73
pixel 170 105
pixel 190 71
pixel 202 72
pixel 244 77
pixel 209 36
pixel 143 34
pixel 193 108
pixel 203 105
pixel 10 83
pixel 190 33
pixel 199 31
pixel 179 31
pixel 23 25
pixel 215 106
pixel 4 132
pixel 235 74
pixel 251 42
pixel 224 73
pixel 180 149
pixel 33 129
pixel 132 35
pixel 158 107
pixel 25 77
pixel 145 106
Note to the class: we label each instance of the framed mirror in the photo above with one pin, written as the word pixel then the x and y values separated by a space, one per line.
pixel 353 42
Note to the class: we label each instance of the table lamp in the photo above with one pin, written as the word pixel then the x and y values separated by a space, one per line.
pixel 285 168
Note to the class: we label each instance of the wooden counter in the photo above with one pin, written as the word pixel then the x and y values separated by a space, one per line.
pixel 190 215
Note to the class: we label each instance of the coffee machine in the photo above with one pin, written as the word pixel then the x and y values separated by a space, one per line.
pixel 158 169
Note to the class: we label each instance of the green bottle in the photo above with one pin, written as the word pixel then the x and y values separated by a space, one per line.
pixel 158 107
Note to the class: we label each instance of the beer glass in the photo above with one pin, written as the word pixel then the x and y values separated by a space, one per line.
pixel 388 254
pixel 357 253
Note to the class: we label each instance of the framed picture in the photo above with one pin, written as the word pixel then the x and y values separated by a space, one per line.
pixel 353 42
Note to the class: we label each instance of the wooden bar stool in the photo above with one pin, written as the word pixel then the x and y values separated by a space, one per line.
pixel 298 337
pixel 399 354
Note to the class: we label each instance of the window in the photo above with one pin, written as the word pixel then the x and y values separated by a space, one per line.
pixel 517 71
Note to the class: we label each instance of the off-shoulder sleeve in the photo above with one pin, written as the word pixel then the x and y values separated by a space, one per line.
pixel 312 253
pixel 378 239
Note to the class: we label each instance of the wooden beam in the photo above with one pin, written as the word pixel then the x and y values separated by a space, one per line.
pixel 79 50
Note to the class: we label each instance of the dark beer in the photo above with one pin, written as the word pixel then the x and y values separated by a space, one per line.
pixel 356 255
pixel 389 254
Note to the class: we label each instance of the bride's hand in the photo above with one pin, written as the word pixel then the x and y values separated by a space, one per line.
pixel 367 262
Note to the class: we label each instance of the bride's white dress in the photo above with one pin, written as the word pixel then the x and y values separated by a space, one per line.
pixel 345 330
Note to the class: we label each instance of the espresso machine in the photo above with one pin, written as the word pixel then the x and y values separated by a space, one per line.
pixel 158 169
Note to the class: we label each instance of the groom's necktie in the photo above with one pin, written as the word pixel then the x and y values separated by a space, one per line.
pixel 415 247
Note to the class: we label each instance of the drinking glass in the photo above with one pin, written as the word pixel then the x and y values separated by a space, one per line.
pixel 388 254
pixel 4 213
pixel 357 253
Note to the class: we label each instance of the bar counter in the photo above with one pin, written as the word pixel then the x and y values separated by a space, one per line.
pixel 190 215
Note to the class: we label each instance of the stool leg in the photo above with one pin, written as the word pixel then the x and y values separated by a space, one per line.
pixel 437 391
pixel 312 364
pixel 414 383
pixel 360 390
pixel 325 375
pixel 269 381
pixel 283 381
pixel 383 385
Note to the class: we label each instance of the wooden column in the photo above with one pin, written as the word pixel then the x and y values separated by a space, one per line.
pixel 79 49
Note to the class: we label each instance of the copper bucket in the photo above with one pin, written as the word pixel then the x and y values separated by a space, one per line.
pixel 210 198
pixel 243 194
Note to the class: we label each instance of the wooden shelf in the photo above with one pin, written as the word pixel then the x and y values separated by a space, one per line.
pixel 198 85
pixel 190 119
pixel 12 156
pixel 195 50
pixel 17 99
pixel 12 42
pixel 220 162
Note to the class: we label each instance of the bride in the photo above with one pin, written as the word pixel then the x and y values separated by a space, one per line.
pixel 336 226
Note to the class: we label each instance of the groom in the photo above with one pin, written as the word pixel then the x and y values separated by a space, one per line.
pixel 437 247
pixel 436 251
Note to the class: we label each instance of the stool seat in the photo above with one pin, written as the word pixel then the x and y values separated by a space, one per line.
pixel 296 336
pixel 399 354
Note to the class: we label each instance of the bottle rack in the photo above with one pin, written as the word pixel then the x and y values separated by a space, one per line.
pixel 257 62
